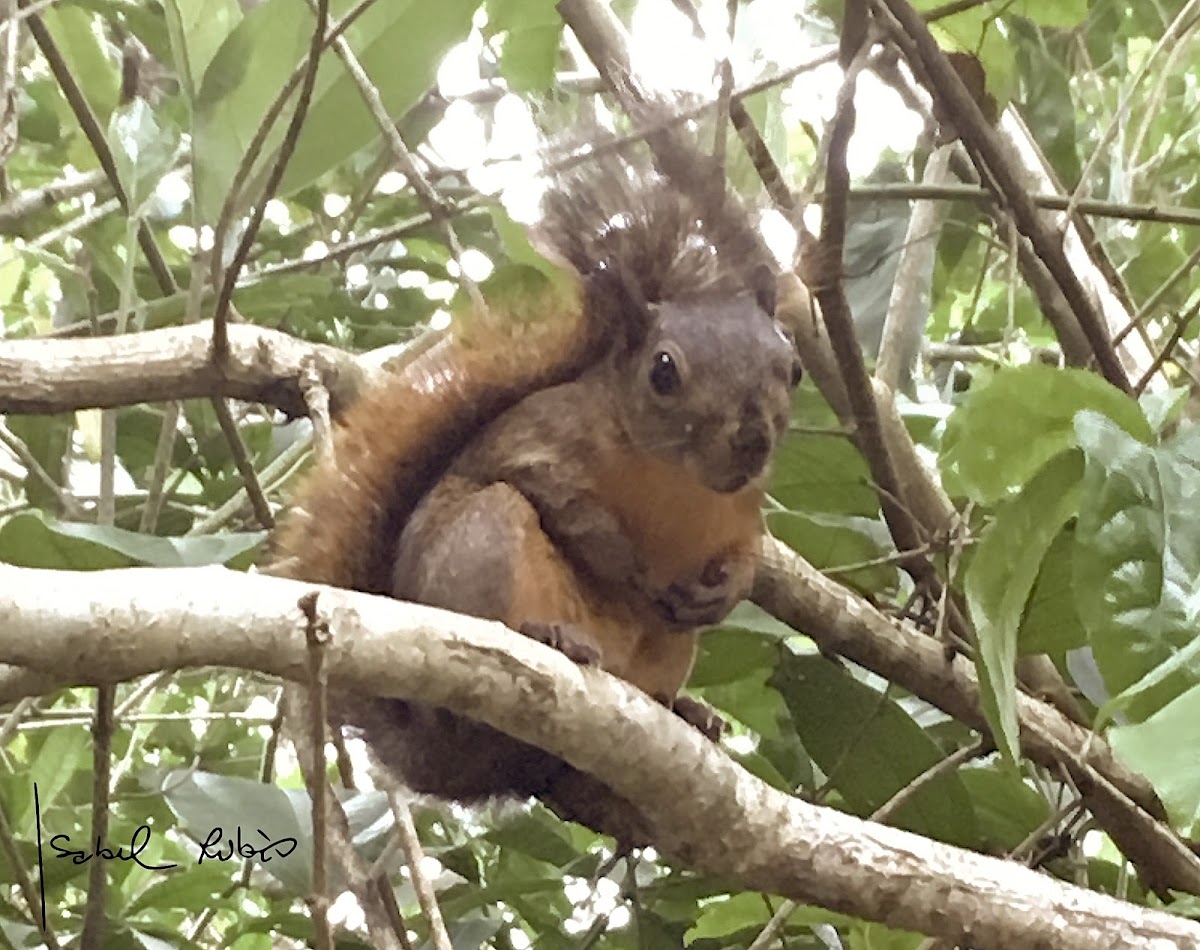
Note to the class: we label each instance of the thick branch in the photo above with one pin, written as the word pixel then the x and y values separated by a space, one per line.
pixel 47 376
pixel 110 625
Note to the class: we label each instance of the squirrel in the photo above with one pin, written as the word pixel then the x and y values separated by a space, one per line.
pixel 585 464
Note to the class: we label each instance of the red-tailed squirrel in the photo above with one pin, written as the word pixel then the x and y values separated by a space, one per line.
pixel 593 480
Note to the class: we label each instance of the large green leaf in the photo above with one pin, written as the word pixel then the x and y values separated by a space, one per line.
pixel 871 748
pixel 29 540
pixel 197 29
pixel 1002 574
pixel 533 30
pixel 398 44
pixel 1051 623
pixel 1137 562
pixel 239 85
pixel 1163 749
pixel 818 472
pixel 81 49
pixel 1008 428
pixel 728 654
pixel 143 144
pixel 1007 809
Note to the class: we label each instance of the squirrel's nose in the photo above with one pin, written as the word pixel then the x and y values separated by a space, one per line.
pixel 751 445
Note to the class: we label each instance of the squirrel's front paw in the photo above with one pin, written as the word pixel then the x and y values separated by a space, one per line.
pixel 700 715
pixel 707 598
pixel 567 639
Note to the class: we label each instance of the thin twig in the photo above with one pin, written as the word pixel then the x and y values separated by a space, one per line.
pixel 825 277
pixel 1118 120
pixel 406 830
pixel 885 812
pixel 279 469
pixel 1167 350
pixel 429 199
pixel 233 197
pixel 220 341
pixel 17 863
pixel 1147 308
pixel 766 936
pixel 1119 210
pixel 241 459
pixel 316 632
pixel 33 200
pixel 95 917
pixel 983 146
pixel 66 501
pixel 30 9
pixel 96 138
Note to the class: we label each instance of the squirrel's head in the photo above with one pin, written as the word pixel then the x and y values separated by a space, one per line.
pixel 675 292
pixel 707 384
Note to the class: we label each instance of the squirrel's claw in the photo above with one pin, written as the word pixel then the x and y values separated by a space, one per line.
pixel 567 639
pixel 700 715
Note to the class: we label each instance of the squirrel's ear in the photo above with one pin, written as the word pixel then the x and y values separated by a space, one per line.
pixel 614 302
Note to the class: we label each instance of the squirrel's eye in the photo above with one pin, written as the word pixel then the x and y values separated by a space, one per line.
pixel 664 374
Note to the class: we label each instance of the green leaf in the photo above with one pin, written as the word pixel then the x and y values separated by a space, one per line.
pixel 1160 749
pixel 529 57
pixel 95 74
pixel 399 44
pixel 1137 563
pixel 29 540
pixel 1051 623
pixel 1008 428
pixel 1007 809
pixel 48 438
pixel 263 813
pixel 197 29
pixel 871 748
pixel 538 834
pixel 974 30
pixel 727 655
pixel 750 701
pixel 1163 408
pixel 1053 13
pixel 237 88
pixel 720 918
pixel 838 541
pixel 817 472
pixel 1002 574
pixel 514 237
pixel 751 617
pixel 143 144
pixel 60 756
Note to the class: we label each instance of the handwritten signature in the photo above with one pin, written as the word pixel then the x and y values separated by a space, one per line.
pixel 213 847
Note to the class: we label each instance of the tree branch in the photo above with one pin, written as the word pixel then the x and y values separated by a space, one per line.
pixel 1122 801
pixel 984 147
pixel 47 376
pixel 111 625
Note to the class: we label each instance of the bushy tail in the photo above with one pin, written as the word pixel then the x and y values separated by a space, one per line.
pixel 398 438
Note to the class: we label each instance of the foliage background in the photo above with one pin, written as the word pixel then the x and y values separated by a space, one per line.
pixel 1076 539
